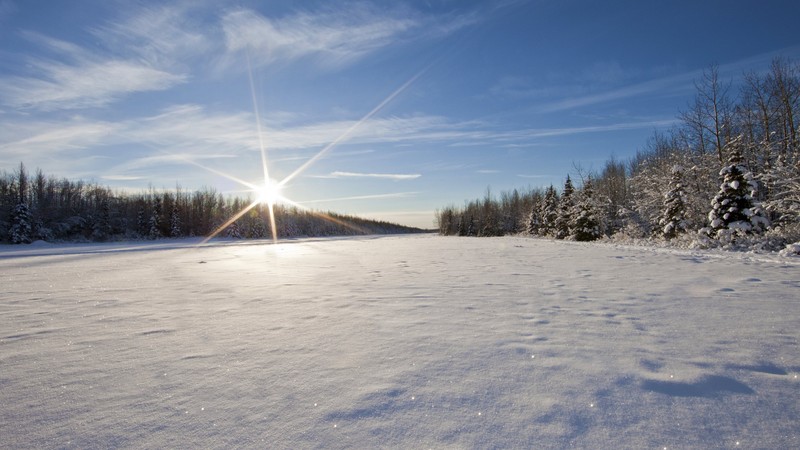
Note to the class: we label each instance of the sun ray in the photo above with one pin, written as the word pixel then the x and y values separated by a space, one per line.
pixel 229 222
pixel 261 147
pixel 271 209
pixel 353 127
pixel 325 216
pixel 195 163
pixel 223 174
pixel 264 166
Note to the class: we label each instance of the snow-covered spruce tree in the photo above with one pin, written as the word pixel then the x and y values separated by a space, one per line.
pixel 101 225
pixel 233 231
pixel 154 231
pixel 534 222
pixel 461 228
pixel 175 221
pixel 21 231
pixel 565 210
pixel 469 229
pixel 141 223
pixel 549 212
pixel 673 217
pixel 257 228
pixel 734 211
pixel 585 224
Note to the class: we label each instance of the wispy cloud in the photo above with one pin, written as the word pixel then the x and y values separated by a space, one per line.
pixel 487 171
pixel 120 177
pixel 331 38
pixel 550 132
pixel 162 35
pixel 363 197
pixel 193 127
pixel 192 130
pixel 608 74
pixel 36 138
pixel 78 79
pixel 678 84
pixel 136 164
pixel 388 176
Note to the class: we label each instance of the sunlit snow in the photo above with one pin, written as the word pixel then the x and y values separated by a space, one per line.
pixel 397 342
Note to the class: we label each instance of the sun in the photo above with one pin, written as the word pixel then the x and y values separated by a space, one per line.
pixel 269 193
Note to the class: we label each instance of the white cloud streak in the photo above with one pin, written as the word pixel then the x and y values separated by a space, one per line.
pixel 121 177
pixel 162 35
pixel 333 39
pixel 677 84
pixel 192 131
pixel 363 197
pixel 37 138
pixel 551 132
pixel 388 176
pixel 162 159
pixel 330 38
pixel 79 79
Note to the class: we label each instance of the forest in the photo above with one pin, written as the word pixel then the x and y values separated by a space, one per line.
pixel 728 176
pixel 41 207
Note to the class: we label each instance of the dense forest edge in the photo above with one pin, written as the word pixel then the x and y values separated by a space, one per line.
pixel 727 176
pixel 46 208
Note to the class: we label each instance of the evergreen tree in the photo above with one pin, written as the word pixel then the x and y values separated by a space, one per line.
pixel 549 212
pixel 20 231
pixel 585 218
pixel 258 229
pixel 175 221
pixel 154 225
pixel 101 227
pixel 141 224
pixel 534 224
pixel 673 217
pixel 565 210
pixel 234 231
pixel 461 229
pixel 734 209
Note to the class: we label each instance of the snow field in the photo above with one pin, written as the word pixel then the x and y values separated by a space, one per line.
pixel 396 342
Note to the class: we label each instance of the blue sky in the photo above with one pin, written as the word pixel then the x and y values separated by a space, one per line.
pixel 410 106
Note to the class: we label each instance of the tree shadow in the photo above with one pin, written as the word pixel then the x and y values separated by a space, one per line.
pixel 762 367
pixel 709 386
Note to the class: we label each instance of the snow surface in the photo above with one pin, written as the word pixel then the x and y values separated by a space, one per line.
pixel 397 342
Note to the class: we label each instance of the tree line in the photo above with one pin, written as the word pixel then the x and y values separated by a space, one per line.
pixel 727 175
pixel 41 207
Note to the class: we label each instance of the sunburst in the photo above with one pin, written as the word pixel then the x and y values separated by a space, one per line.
pixel 270 192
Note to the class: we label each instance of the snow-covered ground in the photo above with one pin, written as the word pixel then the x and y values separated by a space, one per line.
pixel 397 342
